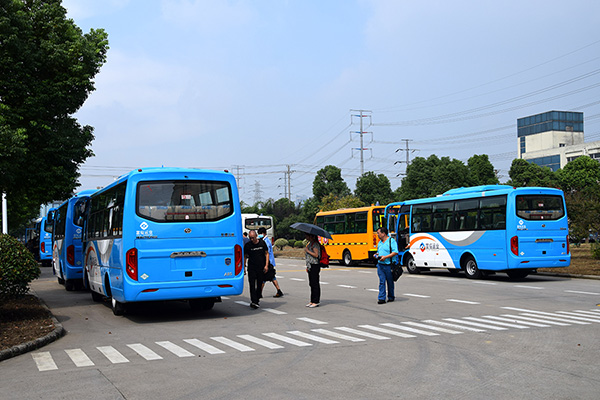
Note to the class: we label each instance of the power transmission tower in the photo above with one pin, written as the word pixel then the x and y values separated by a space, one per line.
pixel 257 192
pixel 363 114
pixel 289 173
pixel 408 151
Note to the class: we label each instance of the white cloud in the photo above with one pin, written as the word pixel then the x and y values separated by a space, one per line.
pixel 207 16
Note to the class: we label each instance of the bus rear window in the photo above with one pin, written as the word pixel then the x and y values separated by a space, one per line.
pixel 540 207
pixel 255 223
pixel 184 201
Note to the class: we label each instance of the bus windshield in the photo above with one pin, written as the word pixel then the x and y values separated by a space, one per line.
pixel 185 201
pixel 538 207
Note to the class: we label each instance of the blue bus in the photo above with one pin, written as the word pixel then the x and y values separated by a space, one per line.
pixel 165 234
pixel 67 247
pixel 44 228
pixel 484 229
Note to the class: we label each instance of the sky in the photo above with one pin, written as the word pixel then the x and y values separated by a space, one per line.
pixel 262 87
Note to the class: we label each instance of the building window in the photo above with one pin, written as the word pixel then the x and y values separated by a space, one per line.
pixel 522 143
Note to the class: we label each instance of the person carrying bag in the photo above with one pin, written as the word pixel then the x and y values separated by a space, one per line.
pixel 387 250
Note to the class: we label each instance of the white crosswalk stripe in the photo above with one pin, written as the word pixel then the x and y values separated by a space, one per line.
pixel 144 351
pixel 273 311
pixel 361 333
pixel 588 312
pixel 231 343
pixel 537 319
pixel 312 321
pixel 551 318
pixel 79 358
pixel 44 361
pixel 516 322
pixel 417 295
pixel 386 331
pixel 312 337
pixel 210 349
pixel 262 342
pixel 175 349
pixel 466 328
pixel 580 317
pixel 338 335
pixel 286 339
pixel 433 328
pixel 112 354
pixel 413 330
pixel 485 326
pixel 485 321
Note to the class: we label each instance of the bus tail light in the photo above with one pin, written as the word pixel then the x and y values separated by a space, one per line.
pixel 567 244
pixel 239 259
pixel 374 240
pixel 43 247
pixel 131 261
pixel 71 255
pixel 514 245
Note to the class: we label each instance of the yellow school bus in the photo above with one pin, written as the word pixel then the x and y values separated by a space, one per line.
pixel 353 231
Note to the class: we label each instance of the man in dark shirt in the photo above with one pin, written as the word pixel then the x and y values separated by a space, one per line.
pixel 256 254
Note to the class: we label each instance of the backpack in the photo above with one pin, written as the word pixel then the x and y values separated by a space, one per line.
pixel 324 259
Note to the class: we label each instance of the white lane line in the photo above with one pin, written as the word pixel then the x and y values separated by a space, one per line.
pixel 484 283
pixel 231 343
pixel 386 331
pixel 361 333
pixel 582 317
pixel 466 328
pixel 79 358
pixel 338 335
pixel 312 321
pixel 515 321
pixel 528 287
pixel 433 328
pixel 462 301
pixel 173 348
pixel 324 283
pixel 345 270
pixel 210 349
pixel 413 330
pixel 373 290
pixel 273 311
pixel 485 326
pixel 588 312
pixel 416 295
pixel 287 339
pixel 578 292
pixel 225 298
pixel 262 342
pixel 44 361
pixel 551 318
pixel 297 279
pixel 112 354
pixel 417 277
pixel 144 351
pixel 487 321
pixel 365 272
pixel 537 319
pixel 312 337
pixel 347 286
pixel 518 309
pixel 244 303
pixel 450 279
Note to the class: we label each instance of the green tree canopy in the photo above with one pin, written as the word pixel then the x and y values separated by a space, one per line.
pixel 580 175
pixel 329 182
pixel 481 171
pixel 524 173
pixel 332 202
pixel 371 188
pixel 47 67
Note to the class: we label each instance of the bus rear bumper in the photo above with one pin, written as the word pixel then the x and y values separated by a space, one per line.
pixel 182 291
pixel 542 263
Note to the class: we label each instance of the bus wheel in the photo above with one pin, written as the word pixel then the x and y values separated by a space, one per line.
pixel 118 308
pixel 201 304
pixel 70 285
pixel 347 258
pixel 411 267
pixel 471 268
pixel 517 273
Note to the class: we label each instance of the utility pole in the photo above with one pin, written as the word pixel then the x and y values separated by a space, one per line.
pixel 239 172
pixel 363 114
pixel 289 182
pixel 408 151
pixel 257 192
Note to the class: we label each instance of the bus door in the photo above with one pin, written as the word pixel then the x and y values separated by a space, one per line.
pixel 403 228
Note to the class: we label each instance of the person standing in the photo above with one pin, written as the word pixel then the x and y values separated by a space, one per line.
pixel 270 275
pixel 256 254
pixel 387 249
pixel 312 254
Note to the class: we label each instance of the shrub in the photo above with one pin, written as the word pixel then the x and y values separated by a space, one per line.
pixel 299 244
pixel 595 249
pixel 280 243
pixel 17 267
pixel 291 242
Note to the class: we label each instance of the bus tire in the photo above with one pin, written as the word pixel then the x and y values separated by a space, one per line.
pixel 118 308
pixel 517 273
pixel 70 285
pixel 201 304
pixel 347 258
pixel 97 297
pixel 411 267
pixel 471 268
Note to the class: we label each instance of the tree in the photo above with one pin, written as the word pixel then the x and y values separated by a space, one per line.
pixel 581 175
pixel 524 173
pixel 329 181
pixel 332 202
pixel 372 189
pixel 481 171
pixel 47 67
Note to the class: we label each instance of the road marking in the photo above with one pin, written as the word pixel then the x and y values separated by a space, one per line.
pixel 231 343
pixel 79 358
pixel 204 346
pixel 451 279
pixel 361 333
pixel 112 354
pixel 225 298
pixel 582 317
pixel 324 283
pixel 177 350
pixel 550 317
pixel 262 342
pixel 462 301
pixel 338 335
pixel 484 283
pixel 312 337
pixel 466 328
pixel 433 328
pixel 485 326
pixel 515 321
pixel 44 361
pixel 497 323
pixel 541 320
pixel 347 286
pixel 416 295
pixel 588 312
pixel 529 287
pixel 244 303
pixel 386 331
pixel 373 290
pixel 417 277
pixel 273 311
pixel 297 279
pixel 413 330
pixel 144 351
pixel 312 321
pixel 365 272
pixel 287 339
pixel 578 292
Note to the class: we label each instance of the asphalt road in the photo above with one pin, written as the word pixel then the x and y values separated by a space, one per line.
pixel 444 337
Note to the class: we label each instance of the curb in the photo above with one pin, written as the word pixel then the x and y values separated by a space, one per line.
pixel 58 332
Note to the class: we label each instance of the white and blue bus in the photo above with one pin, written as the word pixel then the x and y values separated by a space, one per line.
pixel 484 229
pixel 67 247
pixel 45 227
pixel 251 222
pixel 165 234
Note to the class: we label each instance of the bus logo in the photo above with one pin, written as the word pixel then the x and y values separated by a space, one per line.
pixel 228 261
pixel 187 230
pixel 144 226
pixel 422 247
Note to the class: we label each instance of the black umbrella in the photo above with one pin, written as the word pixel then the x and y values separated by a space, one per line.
pixel 311 229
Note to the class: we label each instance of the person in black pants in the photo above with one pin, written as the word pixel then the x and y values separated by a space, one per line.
pixel 313 253
pixel 256 254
